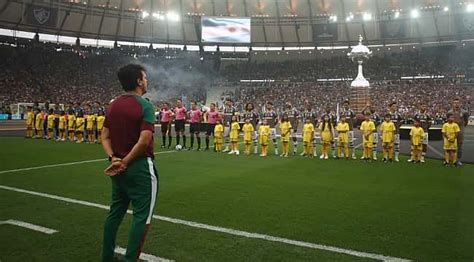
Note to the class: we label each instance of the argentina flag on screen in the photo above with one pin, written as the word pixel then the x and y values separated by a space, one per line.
pixel 225 30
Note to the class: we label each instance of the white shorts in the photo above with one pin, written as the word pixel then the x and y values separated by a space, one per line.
pixel 273 133
pixel 351 136
pixel 397 139
pixel 425 139
pixel 226 131
pixel 376 138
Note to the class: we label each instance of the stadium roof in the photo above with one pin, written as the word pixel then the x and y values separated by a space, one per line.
pixel 289 23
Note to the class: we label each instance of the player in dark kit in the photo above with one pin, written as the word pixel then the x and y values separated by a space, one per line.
pixel 127 138
pixel 310 114
pixel 250 114
pixel 397 119
pixel 272 119
pixel 229 112
pixel 293 117
pixel 425 119
pixel 350 115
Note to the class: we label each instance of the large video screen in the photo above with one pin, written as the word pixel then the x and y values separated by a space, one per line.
pixel 225 30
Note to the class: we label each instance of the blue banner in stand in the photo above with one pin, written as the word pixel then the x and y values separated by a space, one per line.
pixel 41 15
pixel 3 116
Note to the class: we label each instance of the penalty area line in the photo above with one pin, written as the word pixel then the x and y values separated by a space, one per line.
pixel 229 231
pixel 69 164
pixel 27 225
pixel 143 256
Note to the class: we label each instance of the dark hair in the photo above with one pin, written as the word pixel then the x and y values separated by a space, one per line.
pixel 392 103
pixel 129 74
pixel 367 114
pixel 388 115
pixel 269 103
pixel 448 115
pixel 346 102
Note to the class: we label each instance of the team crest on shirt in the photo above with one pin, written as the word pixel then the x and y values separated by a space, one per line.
pixel 41 15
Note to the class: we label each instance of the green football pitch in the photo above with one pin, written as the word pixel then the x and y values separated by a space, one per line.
pixel 216 207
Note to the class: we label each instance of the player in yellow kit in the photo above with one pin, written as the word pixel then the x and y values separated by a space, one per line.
pixel 71 124
pixel 39 124
pixel 30 117
pixel 326 128
pixel 285 131
pixel 234 136
pixel 368 128
pixel 50 123
pixel 450 132
pixel 62 126
pixel 416 136
pixel 218 136
pixel 308 137
pixel 387 132
pixel 100 124
pixel 342 129
pixel 248 130
pixel 264 136
pixel 90 127
pixel 80 127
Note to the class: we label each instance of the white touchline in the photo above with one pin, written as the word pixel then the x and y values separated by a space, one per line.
pixel 69 164
pixel 34 227
pixel 221 229
pixel 143 256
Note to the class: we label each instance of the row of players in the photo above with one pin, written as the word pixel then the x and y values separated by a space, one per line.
pixel 60 125
pixel 340 134
pixel 195 116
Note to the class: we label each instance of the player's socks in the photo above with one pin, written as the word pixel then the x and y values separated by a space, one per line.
pixel 178 139
pixel 164 140
pixel 192 141
pixel 207 142
pixel 184 140
pixel 396 156
pixel 275 145
pixel 255 147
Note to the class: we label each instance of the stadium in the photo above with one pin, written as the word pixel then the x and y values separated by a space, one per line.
pixel 236 130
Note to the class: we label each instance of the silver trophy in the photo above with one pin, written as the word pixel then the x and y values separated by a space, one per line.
pixel 360 95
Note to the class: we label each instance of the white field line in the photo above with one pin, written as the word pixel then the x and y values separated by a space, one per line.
pixel 69 164
pixel 143 256
pixel 222 229
pixel 34 227
pixel 434 150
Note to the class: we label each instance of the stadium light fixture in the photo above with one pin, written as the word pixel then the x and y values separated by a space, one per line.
pixel 145 14
pixel 367 16
pixel 415 13
pixel 397 14
pixel 333 18
pixel 446 9
pixel 470 8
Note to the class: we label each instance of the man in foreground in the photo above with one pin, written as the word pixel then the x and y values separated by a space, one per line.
pixel 127 138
